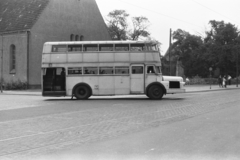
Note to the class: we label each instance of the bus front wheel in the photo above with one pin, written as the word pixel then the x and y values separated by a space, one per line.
pixel 82 92
pixel 155 92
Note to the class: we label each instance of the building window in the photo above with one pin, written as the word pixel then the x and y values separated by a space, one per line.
pixel 72 37
pixel 12 58
pixel 81 38
pixel 77 38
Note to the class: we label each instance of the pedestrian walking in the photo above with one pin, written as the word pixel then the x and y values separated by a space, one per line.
pixel 229 79
pixel 224 82
pixel 187 81
pixel 220 83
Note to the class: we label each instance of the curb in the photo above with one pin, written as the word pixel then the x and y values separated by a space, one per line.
pixel 209 90
pixel 40 94
pixel 21 93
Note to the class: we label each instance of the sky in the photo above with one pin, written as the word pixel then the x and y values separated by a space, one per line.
pixel 192 16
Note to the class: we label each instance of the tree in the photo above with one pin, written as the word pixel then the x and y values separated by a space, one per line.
pixel 188 49
pixel 118 26
pixel 220 46
pixel 140 25
pixel 217 50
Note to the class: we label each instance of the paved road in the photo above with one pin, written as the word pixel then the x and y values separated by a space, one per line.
pixel 182 125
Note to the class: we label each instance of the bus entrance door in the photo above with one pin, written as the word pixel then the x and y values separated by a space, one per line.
pixel 137 78
pixel 54 82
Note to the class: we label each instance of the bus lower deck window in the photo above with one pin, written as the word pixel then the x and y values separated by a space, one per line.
pixel 106 70
pixel 121 70
pixel 90 70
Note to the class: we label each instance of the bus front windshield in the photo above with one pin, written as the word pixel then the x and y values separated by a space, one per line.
pixel 158 69
pixel 152 47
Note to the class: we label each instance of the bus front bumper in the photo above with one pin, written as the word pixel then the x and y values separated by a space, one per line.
pixel 172 91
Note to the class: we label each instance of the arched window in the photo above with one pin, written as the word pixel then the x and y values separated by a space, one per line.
pixel 72 37
pixel 81 38
pixel 77 38
pixel 12 58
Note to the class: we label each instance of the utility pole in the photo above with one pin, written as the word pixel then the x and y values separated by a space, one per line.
pixel 169 50
pixel 2 65
pixel 237 64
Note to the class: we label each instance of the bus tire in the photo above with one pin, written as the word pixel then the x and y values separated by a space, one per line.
pixel 82 92
pixel 155 92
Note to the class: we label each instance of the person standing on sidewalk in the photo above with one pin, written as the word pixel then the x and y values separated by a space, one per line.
pixel 224 81
pixel 220 83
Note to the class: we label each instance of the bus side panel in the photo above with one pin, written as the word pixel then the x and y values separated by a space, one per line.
pixel 58 58
pixel 150 78
pixel 47 48
pixel 92 81
pixel 106 85
pixel 137 57
pixel 74 57
pixel 46 58
pixel 122 57
pixel 122 85
pixel 71 82
pixel 154 56
pixel 106 57
pixel 90 57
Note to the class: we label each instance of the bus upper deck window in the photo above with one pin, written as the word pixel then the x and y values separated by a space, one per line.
pixel 137 47
pixel 105 47
pixel 151 47
pixel 59 48
pixel 90 47
pixel 72 48
pixel 122 47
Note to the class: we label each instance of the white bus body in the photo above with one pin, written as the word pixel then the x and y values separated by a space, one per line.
pixel 105 68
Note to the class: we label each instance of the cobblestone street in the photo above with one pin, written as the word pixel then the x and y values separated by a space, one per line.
pixel 50 125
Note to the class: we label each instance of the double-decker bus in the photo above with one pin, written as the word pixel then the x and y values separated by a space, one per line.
pixel 98 68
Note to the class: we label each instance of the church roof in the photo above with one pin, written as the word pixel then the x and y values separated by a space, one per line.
pixel 16 15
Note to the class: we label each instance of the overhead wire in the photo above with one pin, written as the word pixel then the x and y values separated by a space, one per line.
pixel 160 13
pixel 213 10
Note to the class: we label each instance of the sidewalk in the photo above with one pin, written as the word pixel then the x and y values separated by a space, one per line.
pixel 205 88
pixel 32 92
pixel 189 88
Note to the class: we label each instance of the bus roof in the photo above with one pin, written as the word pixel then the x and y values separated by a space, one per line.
pixel 99 42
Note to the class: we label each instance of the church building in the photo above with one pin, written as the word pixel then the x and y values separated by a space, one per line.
pixel 25 25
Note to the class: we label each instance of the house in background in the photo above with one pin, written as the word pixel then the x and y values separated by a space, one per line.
pixel 25 25
pixel 176 68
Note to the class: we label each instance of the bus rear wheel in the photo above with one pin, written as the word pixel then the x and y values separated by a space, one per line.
pixel 155 92
pixel 82 92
